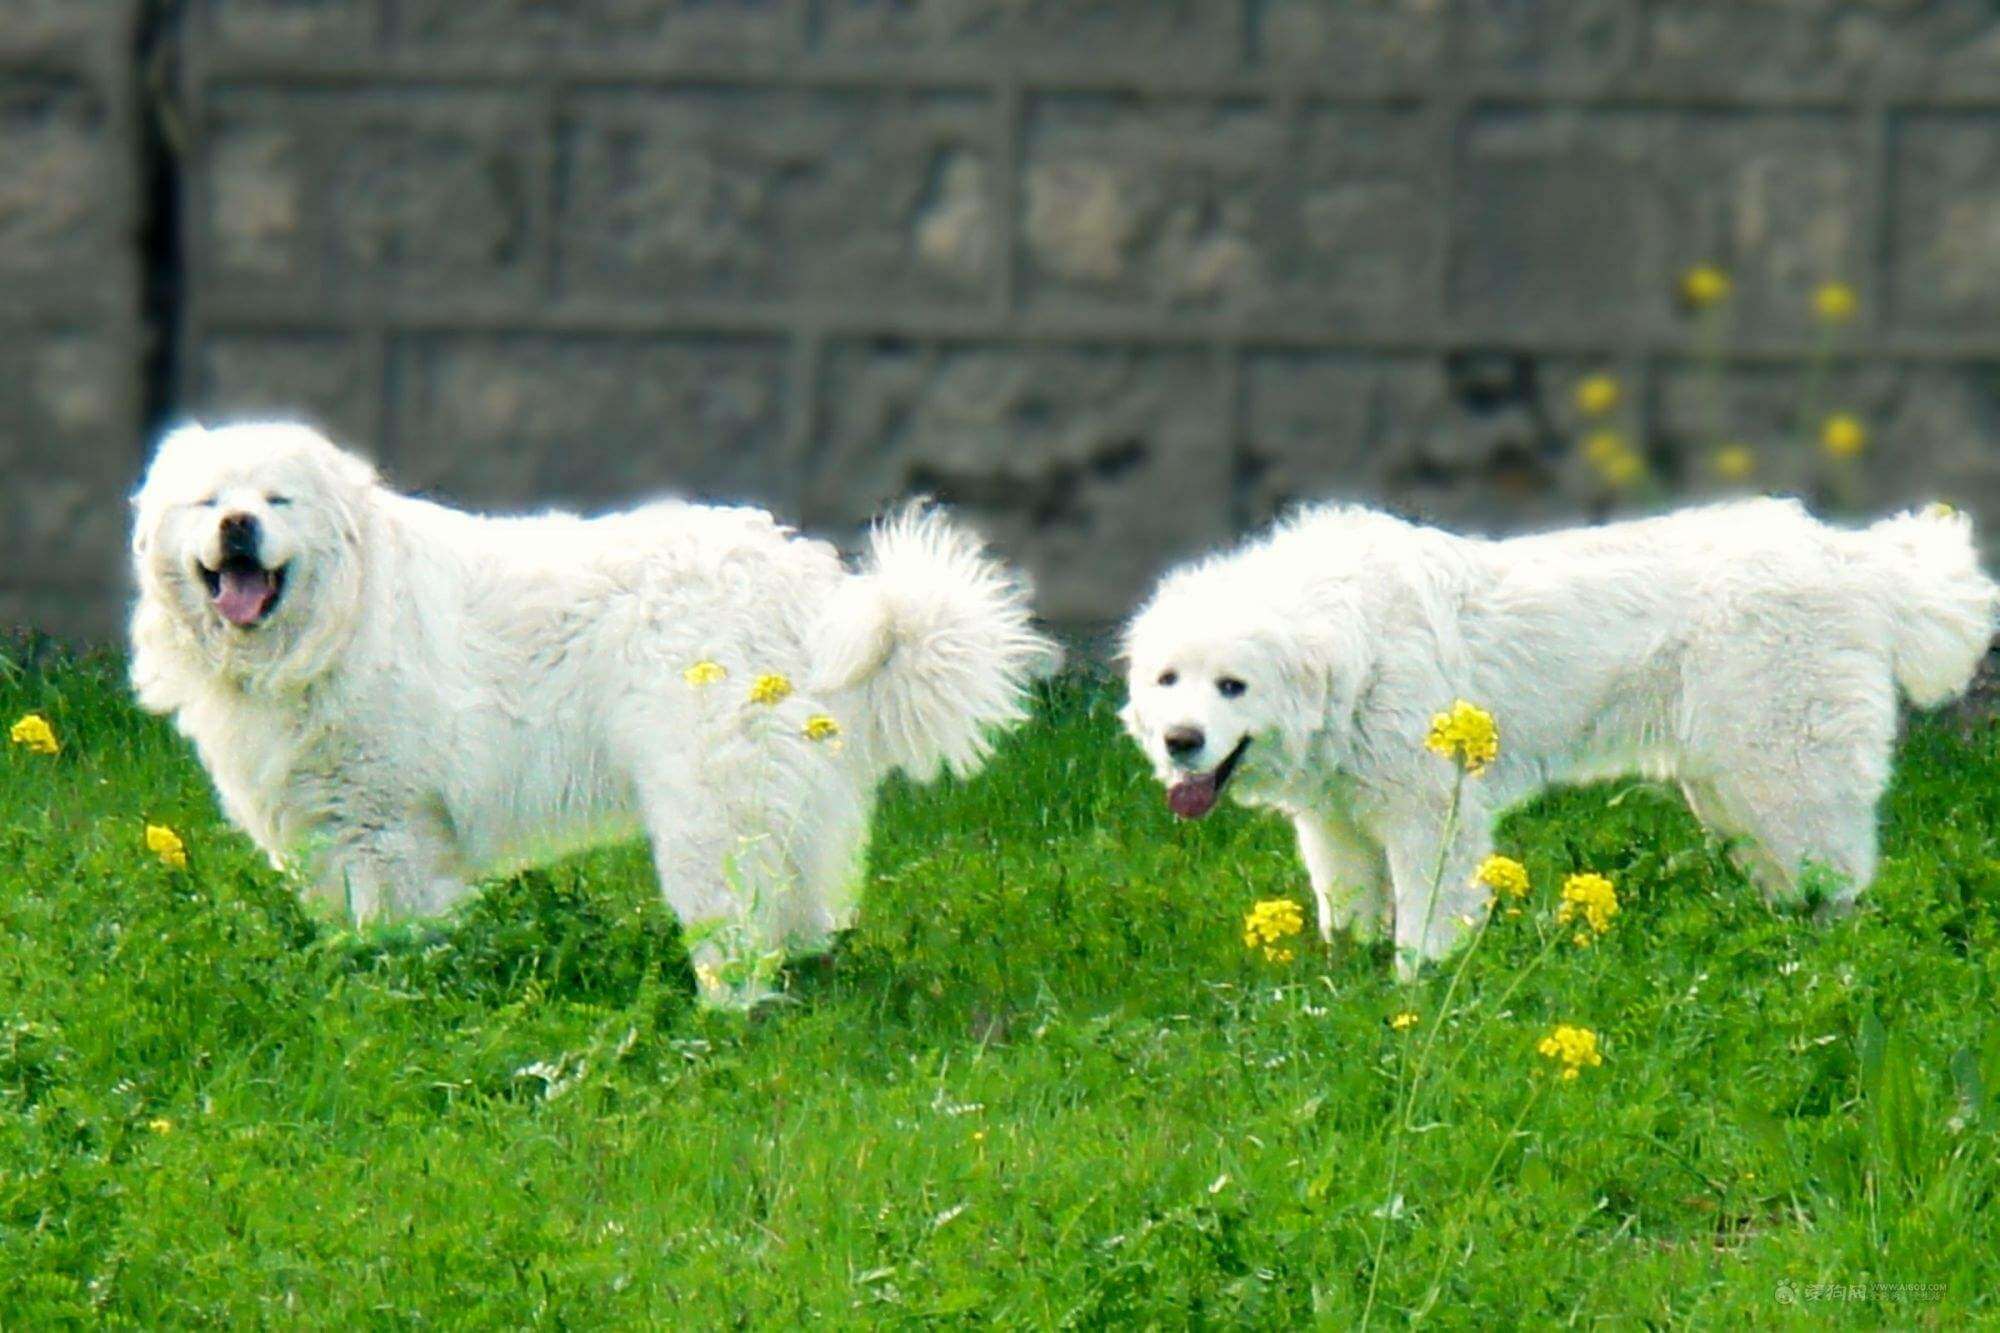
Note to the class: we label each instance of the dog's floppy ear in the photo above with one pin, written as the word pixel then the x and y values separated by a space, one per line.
pixel 348 469
pixel 1305 664
pixel 351 482
pixel 1324 666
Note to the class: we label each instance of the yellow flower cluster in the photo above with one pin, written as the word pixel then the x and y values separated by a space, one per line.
pixel 705 673
pixel 770 688
pixel 1734 462
pixel 1572 1047
pixel 1843 436
pixel 1616 461
pixel 166 844
pixel 1269 924
pixel 1504 875
pixel 1705 286
pixel 1834 302
pixel 1596 394
pixel 820 727
pixel 1466 734
pixel 1404 1021
pixel 34 734
pixel 1593 898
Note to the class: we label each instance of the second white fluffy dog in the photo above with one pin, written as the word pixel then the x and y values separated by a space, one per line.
pixel 1744 650
pixel 398 697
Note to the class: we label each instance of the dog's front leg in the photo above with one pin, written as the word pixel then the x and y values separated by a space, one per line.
pixel 1350 877
pixel 1432 861
pixel 728 881
pixel 373 873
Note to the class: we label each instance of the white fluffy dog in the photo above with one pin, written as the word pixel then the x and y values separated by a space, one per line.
pixel 397 697
pixel 1744 650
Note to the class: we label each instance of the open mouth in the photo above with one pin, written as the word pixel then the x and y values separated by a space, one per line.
pixel 243 592
pixel 1192 797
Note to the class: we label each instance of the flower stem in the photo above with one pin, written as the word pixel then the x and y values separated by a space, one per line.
pixel 1457 1222
pixel 1406 1093
pixel 1443 1012
pixel 1445 837
pixel 1500 1005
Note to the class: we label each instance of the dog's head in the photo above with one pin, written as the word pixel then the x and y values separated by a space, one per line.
pixel 1231 694
pixel 248 546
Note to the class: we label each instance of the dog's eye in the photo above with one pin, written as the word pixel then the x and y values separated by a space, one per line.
pixel 1170 678
pixel 1230 687
pixel 206 502
pixel 277 501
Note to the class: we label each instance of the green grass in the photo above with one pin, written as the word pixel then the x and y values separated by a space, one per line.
pixel 1044 1084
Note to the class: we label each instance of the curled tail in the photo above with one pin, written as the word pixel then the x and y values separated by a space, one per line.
pixel 1943 605
pixel 932 640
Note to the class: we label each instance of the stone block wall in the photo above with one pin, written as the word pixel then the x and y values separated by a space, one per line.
pixel 72 347
pixel 1122 278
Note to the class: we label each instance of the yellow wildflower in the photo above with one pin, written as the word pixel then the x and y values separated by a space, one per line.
pixel 704 673
pixel 1404 1021
pixel 1466 733
pixel 160 1125
pixel 1615 460
pixel 1600 447
pixel 33 733
pixel 1504 875
pixel 1624 470
pixel 1592 897
pixel 1572 1047
pixel 770 688
pixel 820 727
pixel 166 844
pixel 1843 435
pixel 1596 394
pixel 1734 462
pixel 1834 302
pixel 1704 286
pixel 1268 923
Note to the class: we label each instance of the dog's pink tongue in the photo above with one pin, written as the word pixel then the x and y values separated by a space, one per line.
pixel 1191 798
pixel 243 594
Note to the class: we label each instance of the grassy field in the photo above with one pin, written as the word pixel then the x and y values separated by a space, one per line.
pixel 1044 1083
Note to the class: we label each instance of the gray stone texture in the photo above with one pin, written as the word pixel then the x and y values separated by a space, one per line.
pixel 1580 220
pixel 591 421
pixel 71 348
pixel 762 195
pixel 1121 278
pixel 348 194
pixel 1091 464
pixel 1132 205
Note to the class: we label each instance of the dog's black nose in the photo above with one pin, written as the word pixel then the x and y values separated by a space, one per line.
pixel 239 535
pixel 1184 741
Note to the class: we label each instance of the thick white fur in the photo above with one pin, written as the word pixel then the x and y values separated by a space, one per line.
pixel 440 695
pixel 1744 650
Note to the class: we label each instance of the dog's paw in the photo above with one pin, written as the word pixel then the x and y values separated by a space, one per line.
pixel 731 974
pixel 738 995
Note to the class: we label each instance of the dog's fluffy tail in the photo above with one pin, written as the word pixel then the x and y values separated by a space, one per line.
pixel 932 642
pixel 1944 606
